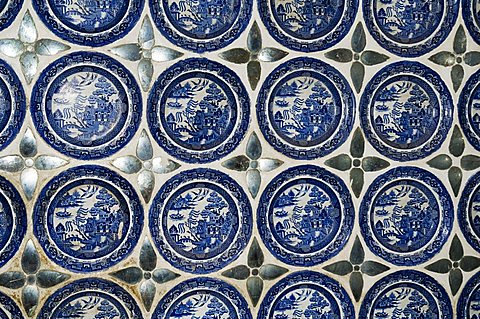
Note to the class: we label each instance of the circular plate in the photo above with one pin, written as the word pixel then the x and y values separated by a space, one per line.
pixel 86 105
pixel 198 110
pixel 410 28
pixel 92 23
pixel 90 298
pixel 305 215
pixel 306 294
pixel 469 110
pixel 305 108
pixel 308 26
pixel 406 111
pixel 469 211
pixel 9 309
pixel 200 26
pixel 8 12
pixel 88 218
pixel 406 216
pixel 200 220
pixel 471 17
pixel 406 293
pixel 469 301
pixel 203 298
pixel 12 104
pixel 13 220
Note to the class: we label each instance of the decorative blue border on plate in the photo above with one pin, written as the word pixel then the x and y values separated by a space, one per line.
pixel 348 108
pixel 10 13
pixel 42 207
pixel 239 304
pixel 325 42
pixel 90 284
pixel 472 27
pixel 199 45
pixel 308 277
pixel 463 108
pixel 464 211
pixel 446 215
pixel 53 23
pixel 7 304
pixel 224 74
pixel 19 218
pixel 120 72
pixel 347 221
pixel 449 19
pixel 470 287
pixel 19 108
pixel 446 110
pixel 243 208
pixel 415 277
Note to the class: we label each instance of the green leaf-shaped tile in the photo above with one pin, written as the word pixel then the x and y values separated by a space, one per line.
pixel 340 268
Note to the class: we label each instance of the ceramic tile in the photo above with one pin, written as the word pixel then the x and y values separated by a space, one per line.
pixel 214 159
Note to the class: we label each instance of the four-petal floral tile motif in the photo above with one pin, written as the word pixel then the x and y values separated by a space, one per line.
pixel 217 159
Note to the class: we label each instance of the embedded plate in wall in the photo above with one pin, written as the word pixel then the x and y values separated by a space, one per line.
pixel 406 293
pixel 200 220
pixel 406 111
pixel 12 104
pixel 469 110
pixel 410 28
pixel 308 26
pixel 306 294
pixel 471 16
pixel 201 26
pixel 305 215
pixel 198 110
pixel 92 23
pixel 203 298
pixel 8 12
pixel 88 218
pixel 305 108
pixel 90 298
pixel 406 216
pixel 13 220
pixel 469 211
pixel 468 306
pixel 8 308
pixel 86 105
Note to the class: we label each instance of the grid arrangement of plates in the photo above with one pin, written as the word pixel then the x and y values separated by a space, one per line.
pixel 214 159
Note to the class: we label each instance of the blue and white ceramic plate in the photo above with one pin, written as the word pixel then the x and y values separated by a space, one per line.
pixel 8 308
pixel 88 218
pixel 203 297
pixel 305 215
pixel 406 216
pixel 468 306
pixel 200 220
pixel 306 294
pixel 200 26
pixel 305 108
pixel 198 110
pixel 406 294
pixel 91 23
pixel 12 104
pixel 86 105
pixel 90 298
pixel 469 211
pixel 410 28
pixel 308 26
pixel 8 12
pixel 13 220
pixel 469 110
pixel 406 111
pixel 471 17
